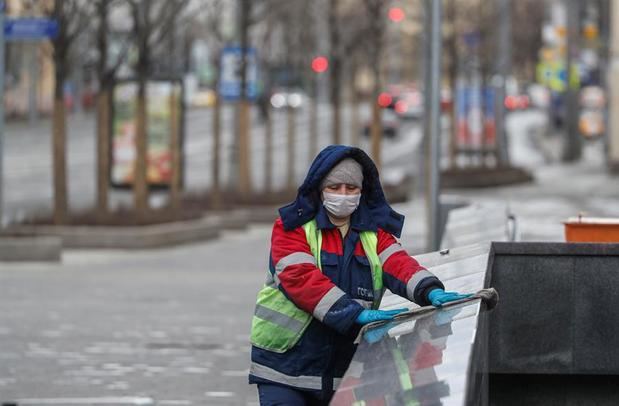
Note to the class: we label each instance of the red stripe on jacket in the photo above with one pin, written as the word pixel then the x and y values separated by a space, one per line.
pixel 304 284
pixel 400 265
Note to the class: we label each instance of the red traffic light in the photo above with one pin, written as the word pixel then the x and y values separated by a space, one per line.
pixel 396 14
pixel 320 64
pixel 384 99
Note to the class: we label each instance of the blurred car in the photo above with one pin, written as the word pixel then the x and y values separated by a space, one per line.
pixel 287 97
pixel 405 100
pixel 515 98
pixel 390 124
pixel 517 102
pixel 539 95
pixel 408 104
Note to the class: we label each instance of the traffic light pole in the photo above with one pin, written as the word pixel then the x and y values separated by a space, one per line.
pixel 433 66
pixel 1 113
pixel 613 89
pixel 503 69
pixel 573 144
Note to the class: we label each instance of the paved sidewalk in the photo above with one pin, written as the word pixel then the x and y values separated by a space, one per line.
pixel 172 324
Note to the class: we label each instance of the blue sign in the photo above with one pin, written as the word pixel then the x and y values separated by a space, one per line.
pixel 230 73
pixel 30 28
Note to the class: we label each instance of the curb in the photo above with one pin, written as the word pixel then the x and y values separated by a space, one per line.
pixel 35 249
pixel 484 177
pixel 138 237
pixel 38 242
pixel 45 242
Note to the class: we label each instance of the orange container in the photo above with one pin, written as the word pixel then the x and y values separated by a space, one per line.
pixel 591 229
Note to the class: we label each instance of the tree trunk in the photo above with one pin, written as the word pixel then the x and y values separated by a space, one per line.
pixel 268 145
pixel 59 137
pixel 355 127
pixel 336 113
pixel 103 150
pixel 355 121
pixel 376 130
pixel 291 133
pixel 140 186
pixel 335 71
pixel 375 11
pixel 216 189
pixel 244 105
pixel 452 47
pixel 244 147
pixel 175 150
pixel 313 123
pixel 103 112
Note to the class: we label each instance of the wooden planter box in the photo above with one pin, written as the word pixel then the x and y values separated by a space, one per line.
pixel 592 229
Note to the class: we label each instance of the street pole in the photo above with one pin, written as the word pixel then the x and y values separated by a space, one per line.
pixel 613 83
pixel 426 56
pixel 243 109
pixel 573 147
pixel 503 71
pixel 1 112
pixel 434 127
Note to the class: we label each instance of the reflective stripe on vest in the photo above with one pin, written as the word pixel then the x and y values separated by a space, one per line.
pixel 369 241
pixel 306 382
pixel 301 381
pixel 278 323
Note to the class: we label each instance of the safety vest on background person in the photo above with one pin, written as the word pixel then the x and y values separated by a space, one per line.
pixel 278 323
pixel 553 74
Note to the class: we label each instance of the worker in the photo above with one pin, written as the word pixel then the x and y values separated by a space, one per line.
pixel 333 250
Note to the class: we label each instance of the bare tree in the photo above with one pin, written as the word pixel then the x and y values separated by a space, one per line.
pixel 451 47
pixel 72 17
pixel 103 109
pixel 309 37
pixel 290 18
pixel 355 125
pixel 209 20
pixel 243 113
pixel 175 150
pixel 106 73
pixel 265 63
pixel 335 71
pixel 250 13
pixel 152 21
pixel 294 22
pixel 348 30
pixel 376 15
pixel 528 16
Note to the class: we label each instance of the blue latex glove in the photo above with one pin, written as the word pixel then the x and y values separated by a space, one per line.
pixel 370 316
pixel 439 297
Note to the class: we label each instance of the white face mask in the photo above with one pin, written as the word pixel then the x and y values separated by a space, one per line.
pixel 340 205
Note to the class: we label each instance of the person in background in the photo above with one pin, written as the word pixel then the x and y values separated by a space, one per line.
pixel 333 251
